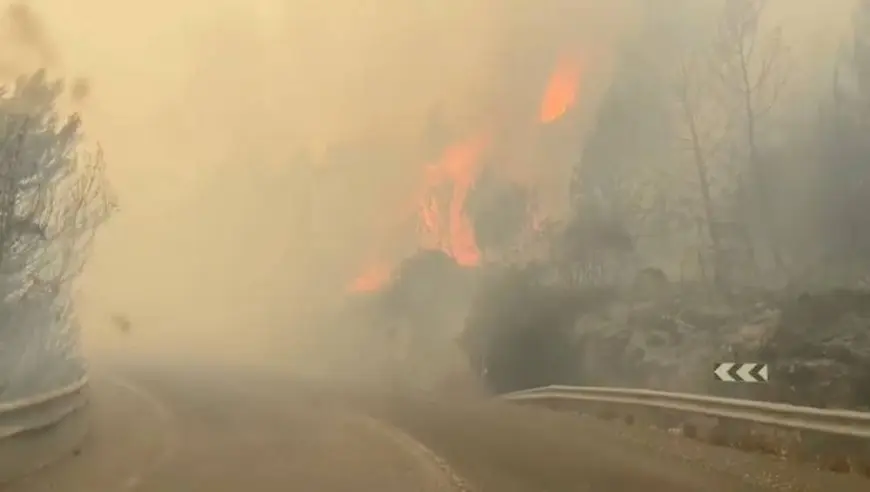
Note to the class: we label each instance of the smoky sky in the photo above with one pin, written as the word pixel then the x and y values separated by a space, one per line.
pixel 202 107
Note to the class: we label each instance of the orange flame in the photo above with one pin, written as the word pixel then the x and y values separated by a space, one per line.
pixel 377 276
pixel 441 215
pixel 561 92
pixel 452 231
pixel 440 203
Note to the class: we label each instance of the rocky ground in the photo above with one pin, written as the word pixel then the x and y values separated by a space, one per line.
pixel 817 346
pixel 504 329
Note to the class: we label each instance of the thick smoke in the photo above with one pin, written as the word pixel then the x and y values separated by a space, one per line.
pixel 214 114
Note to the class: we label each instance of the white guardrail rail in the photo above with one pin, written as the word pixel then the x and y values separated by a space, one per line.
pixel 800 418
pixel 43 410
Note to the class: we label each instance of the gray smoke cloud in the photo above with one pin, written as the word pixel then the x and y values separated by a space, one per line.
pixel 202 107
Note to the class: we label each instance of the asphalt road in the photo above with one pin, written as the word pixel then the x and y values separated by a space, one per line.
pixel 176 429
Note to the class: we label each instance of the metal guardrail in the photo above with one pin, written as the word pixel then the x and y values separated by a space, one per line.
pixel 839 422
pixel 43 410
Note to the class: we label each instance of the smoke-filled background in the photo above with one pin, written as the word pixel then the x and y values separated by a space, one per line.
pixel 203 109
pixel 272 156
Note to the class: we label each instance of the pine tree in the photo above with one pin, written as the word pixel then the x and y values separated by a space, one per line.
pixel 53 198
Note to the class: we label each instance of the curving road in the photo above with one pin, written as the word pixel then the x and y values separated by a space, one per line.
pixel 180 429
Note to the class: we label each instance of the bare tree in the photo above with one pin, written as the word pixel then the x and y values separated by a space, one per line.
pixel 751 65
pixel 701 139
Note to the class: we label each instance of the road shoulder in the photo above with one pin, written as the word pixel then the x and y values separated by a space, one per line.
pixel 114 453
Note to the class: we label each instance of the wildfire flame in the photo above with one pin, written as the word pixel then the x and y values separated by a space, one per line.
pixel 561 92
pixel 458 169
pixel 441 216
pixel 375 277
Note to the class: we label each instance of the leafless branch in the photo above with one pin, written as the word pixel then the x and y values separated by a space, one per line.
pixel 52 196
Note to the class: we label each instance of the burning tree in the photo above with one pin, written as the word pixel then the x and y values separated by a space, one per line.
pixel 52 201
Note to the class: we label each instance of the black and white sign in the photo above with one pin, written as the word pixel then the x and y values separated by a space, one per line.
pixel 734 372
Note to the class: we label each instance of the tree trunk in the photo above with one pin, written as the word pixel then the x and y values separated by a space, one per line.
pixel 757 167
pixel 704 186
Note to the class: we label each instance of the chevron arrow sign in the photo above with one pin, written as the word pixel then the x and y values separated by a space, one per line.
pixel 733 372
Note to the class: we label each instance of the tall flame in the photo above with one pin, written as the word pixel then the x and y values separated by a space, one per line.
pixel 439 204
pixel 561 92
pixel 444 218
